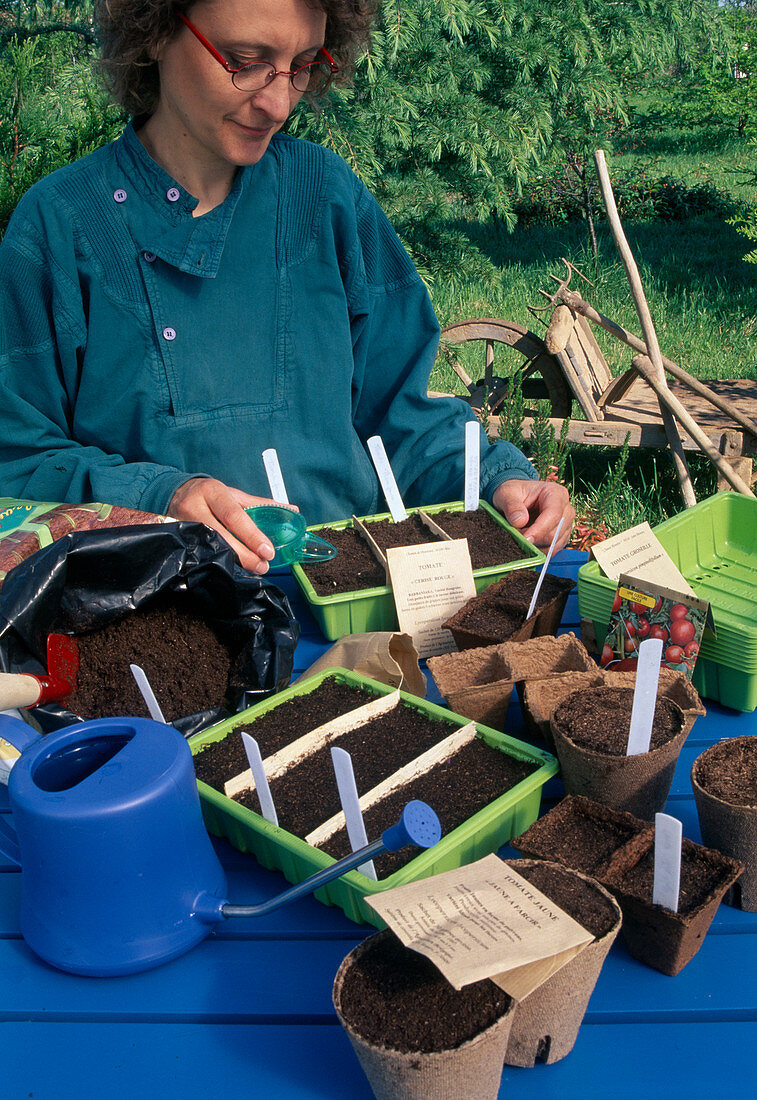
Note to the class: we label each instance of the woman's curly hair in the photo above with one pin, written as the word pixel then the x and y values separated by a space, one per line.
pixel 131 30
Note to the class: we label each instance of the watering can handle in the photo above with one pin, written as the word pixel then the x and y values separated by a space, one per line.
pixel 18 734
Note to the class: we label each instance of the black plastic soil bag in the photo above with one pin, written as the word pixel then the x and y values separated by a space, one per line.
pixel 89 579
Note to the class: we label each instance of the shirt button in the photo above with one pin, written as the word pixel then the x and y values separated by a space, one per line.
pixel 169 334
pixel 149 257
pixel 119 195
pixel 173 194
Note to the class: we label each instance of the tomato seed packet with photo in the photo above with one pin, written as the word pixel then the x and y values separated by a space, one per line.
pixel 647 610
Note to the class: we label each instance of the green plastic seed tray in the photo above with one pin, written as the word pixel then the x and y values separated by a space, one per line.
pixel 275 848
pixel 714 544
pixel 371 609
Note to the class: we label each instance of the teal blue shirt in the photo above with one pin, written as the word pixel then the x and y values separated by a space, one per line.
pixel 140 346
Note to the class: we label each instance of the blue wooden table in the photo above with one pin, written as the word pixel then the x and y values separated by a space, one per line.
pixel 248 1012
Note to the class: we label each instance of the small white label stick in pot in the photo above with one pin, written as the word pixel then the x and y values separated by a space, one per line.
pixel 255 760
pixel 152 704
pixel 668 832
pixel 353 816
pixel 644 696
pixel 472 464
pixel 543 573
pixel 275 477
pixel 386 478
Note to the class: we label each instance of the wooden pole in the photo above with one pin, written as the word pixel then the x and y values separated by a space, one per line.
pixel 580 305
pixel 648 330
pixel 643 364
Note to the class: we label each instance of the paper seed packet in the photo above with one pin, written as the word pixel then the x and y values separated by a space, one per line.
pixel 642 609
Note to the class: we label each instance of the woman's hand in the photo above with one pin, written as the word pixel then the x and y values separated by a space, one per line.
pixel 535 508
pixel 205 500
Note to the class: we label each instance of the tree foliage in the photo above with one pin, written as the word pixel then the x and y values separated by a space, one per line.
pixel 455 103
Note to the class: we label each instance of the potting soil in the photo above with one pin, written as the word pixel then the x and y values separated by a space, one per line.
pixel 396 998
pixel 599 719
pixel 456 789
pixel 186 661
pixel 220 761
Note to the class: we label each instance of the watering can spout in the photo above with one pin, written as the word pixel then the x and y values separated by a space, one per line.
pixel 418 825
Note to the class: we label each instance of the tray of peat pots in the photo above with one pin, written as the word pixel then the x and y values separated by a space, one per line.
pixel 350 594
pixel 478 682
pixel 590 730
pixel 499 613
pixel 484 785
pixel 543 694
pixel 415 1035
pixel 618 850
pixel 724 779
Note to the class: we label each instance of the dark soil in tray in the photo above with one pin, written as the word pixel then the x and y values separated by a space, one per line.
pixel 729 772
pixel 599 719
pixel 396 998
pixel 488 542
pixel 577 839
pixel 456 789
pixel 222 760
pixel 579 899
pixel 355 567
pixel 185 659
pixel 699 877
pixel 306 795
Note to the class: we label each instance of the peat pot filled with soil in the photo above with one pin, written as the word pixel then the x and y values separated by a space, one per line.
pixel 498 614
pixel 546 1022
pixel 418 1038
pixel 724 779
pixel 590 731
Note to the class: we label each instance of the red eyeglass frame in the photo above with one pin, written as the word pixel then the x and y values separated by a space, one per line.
pixel 232 72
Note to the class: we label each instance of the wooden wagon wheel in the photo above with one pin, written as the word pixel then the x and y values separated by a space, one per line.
pixel 540 373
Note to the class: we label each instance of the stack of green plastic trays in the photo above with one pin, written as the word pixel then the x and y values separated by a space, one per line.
pixel 714 544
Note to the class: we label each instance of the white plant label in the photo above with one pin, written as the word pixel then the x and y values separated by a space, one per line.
pixel 152 704
pixel 353 816
pixel 472 465
pixel 668 833
pixel 547 560
pixel 275 477
pixel 255 760
pixel 644 696
pixel 386 478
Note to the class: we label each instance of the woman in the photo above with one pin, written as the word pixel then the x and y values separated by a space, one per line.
pixel 205 288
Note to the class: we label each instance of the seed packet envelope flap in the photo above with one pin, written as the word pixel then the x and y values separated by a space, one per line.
pixel 639 553
pixel 480 921
pixel 307 744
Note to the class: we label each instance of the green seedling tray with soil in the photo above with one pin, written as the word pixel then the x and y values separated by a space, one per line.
pixel 372 609
pixel 275 848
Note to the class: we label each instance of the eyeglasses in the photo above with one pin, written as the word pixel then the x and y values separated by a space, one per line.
pixel 314 76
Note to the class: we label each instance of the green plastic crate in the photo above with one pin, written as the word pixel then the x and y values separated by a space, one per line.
pixel 714 544
pixel 277 849
pixel 372 609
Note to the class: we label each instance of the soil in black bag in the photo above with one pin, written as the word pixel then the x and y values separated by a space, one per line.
pixel 186 660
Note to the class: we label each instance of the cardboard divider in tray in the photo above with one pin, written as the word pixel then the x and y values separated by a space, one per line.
pixel 296 751
pixel 440 752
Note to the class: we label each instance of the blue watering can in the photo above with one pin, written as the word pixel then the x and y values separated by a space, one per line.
pixel 119 874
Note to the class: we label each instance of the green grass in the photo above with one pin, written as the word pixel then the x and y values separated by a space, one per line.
pixel 701 293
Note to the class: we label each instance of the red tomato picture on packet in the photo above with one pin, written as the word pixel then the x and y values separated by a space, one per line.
pixel 637 615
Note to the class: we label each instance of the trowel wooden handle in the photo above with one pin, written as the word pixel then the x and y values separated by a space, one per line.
pixel 23 689
pixel 18 689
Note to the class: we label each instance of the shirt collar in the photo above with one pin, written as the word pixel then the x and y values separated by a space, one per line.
pixel 158 210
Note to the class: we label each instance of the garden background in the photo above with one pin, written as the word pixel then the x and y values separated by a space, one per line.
pixel 474 123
